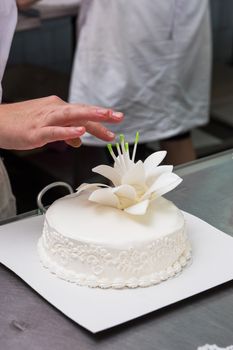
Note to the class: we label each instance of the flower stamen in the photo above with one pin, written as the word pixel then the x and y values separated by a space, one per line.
pixel 127 157
pixel 111 152
pixel 135 146
pixel 121 157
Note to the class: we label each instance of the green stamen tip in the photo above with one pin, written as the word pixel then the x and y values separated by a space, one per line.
pixel 109 147
pixel 122 138
pixel 126 147
pixel 137 137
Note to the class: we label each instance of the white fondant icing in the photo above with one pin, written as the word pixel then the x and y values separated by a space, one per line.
pixel 99 246
pixel 133 183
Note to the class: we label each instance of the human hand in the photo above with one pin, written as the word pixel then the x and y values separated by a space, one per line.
pixel 34 123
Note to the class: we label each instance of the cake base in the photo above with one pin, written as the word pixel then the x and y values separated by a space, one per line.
pixel 97 246
pixel 133 282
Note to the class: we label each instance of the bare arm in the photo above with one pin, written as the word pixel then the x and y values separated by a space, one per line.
pixel 34 123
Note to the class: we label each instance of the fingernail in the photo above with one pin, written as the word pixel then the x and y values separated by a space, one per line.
pixel 76 142
pixel 79 129
pixel 117 115
pixel 110 134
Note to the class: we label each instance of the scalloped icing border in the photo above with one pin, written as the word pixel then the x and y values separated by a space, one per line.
pixel 95 282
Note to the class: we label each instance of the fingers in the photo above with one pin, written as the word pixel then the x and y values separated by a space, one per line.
pixel 95 129
pixel 74 142
pixel 56 133
pixel 99 131
pixel 68 114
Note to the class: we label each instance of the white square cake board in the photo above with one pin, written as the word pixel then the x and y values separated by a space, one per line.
pixel 97 309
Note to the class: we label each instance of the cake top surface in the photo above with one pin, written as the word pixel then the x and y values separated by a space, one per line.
pixel 75 217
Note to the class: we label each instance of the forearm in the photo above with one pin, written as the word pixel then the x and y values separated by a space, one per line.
pixel 9 126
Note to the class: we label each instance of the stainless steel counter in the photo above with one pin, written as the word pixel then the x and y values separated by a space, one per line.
pixel 29 322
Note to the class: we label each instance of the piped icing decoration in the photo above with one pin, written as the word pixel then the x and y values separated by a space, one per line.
pixel 134 185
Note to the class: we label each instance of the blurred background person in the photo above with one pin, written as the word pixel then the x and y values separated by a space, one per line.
pixel 150 59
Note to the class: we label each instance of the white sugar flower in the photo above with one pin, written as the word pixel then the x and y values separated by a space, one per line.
pixel 135 185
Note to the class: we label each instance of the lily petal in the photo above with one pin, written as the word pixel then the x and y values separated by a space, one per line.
pixel 154 160
pixel 135 175
pixel 86 186
pixel 138 209
pixel 105 196
pixel 125 191
pixel 155 172
pixel 126 194
pixel 165 183
pixel 108 172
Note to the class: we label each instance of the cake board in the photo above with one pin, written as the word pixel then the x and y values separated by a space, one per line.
pixel 98 309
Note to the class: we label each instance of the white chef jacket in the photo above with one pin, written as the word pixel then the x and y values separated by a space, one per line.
pixel 8 18
pixel 147 58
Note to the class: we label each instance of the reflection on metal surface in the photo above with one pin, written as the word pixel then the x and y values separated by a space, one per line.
pixel 207 190
pixel 203 163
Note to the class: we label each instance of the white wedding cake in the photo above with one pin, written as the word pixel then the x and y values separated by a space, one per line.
pixel 124 235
